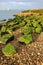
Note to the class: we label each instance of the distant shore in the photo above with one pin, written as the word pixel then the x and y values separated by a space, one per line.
pixel 26 12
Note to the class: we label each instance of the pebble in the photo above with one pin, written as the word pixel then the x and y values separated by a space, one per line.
pixel 22 50
pixel 29 59
pixel 8 58
pixel 41 63
pixel 1 58
pixel 35 46
pixel 23 59
pixel 38 53
pixel 32 54
pixel 37 58
pixel 4 61
pixel 38 63
pixel 30 63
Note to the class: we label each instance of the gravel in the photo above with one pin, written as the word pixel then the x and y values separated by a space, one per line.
pixel 31 54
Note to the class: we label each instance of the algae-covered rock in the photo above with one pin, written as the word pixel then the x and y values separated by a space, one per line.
pixel 9 50
pixel 26 39
pixel 38 29
pixel 27 29
pixel 6 38
pixel 35 23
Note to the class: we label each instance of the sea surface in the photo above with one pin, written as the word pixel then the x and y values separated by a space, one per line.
pixel 7 14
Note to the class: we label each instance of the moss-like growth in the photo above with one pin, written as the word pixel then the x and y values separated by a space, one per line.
pixel 33 29
pixel 22 23
pixel 0 26
pixel 9 50
pixel 38 29
pixel 42 23
pixel 10 27
pixel 27 29
pixel 35 23
pixel 29 23
pixel 16 27
pixel 9 31
pixel 25 39
pixel 11 23
pixel 3 29
pixel 5 38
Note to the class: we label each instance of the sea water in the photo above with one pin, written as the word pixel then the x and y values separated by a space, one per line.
pixel 7 14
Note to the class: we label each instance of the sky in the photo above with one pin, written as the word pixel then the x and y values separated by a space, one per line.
pixel 20 4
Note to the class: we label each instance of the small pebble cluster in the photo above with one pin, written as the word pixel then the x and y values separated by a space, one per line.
pixel 27 54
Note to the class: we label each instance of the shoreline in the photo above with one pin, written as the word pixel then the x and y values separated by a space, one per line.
pixel 24 13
